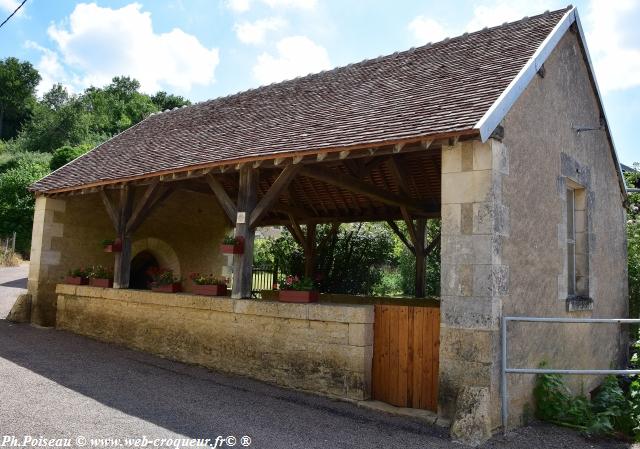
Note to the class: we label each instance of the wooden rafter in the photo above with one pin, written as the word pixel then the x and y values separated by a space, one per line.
pixel 111 211
pixel 280 184
pixel 353 184
pixel 396 230
pixel 227 204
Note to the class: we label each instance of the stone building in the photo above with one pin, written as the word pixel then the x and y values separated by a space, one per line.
pixel 500 134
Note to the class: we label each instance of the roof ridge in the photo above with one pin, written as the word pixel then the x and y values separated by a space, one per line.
pixel 395 54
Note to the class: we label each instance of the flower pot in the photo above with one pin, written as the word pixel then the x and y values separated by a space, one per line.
pixel 236 248
pixel 210 290
pixel 168 288
pixel 100 282
pixel 298 296
pixel 115 247
pixel 76 280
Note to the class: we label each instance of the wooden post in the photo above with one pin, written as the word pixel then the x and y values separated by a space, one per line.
pixel 420 257
pixel 122 265
pixel 310 251
pixel 243 263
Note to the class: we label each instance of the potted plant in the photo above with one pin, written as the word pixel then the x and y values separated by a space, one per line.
pixel 163 280
pixel 112 246
pixel 77 276
pixel 99 276
pixel 295 289
pixel 208 285
pixel 232 245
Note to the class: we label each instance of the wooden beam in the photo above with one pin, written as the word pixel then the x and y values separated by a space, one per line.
pixel 310 251
pixel 279 185
pixel 399 172
pixel 139 214
pixel 352 184
pixel 297 232
pixel 243 263
pixel 227 205
pixel 122 263
pixel 420 257
pixel 394 227
pixel 435 242
pixel 111 212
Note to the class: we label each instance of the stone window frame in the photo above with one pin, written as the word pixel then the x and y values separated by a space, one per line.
pixel 576 225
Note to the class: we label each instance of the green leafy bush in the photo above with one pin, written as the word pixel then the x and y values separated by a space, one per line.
pixel 610 410
pixel 66 154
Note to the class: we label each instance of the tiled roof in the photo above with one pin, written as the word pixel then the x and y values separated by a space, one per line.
pixel 435 89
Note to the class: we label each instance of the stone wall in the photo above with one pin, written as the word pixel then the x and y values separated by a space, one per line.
pixel 504 243
pixel 184 232
pixel 473 277
pixel 324 348
pixel 545 156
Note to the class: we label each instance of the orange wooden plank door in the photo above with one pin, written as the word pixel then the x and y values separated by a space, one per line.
pixel 405 356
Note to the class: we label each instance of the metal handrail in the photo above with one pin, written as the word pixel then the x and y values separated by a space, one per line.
pixel 506 370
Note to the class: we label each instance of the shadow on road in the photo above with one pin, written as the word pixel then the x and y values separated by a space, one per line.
pixel 195 402
pixel 16 283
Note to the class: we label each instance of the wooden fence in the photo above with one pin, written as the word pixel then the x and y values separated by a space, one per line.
pixel 406 356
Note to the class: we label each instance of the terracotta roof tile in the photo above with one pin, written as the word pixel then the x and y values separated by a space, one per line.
pixel 440 88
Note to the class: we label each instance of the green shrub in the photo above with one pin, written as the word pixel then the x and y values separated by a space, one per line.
pixel 66 154
pixel 610 410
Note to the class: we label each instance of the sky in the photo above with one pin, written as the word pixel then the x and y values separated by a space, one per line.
pixel 203 49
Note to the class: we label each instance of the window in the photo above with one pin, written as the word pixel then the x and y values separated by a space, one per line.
pixel 571 242
pixel 577 242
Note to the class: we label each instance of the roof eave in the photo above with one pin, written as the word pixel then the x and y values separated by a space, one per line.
pixel 499 109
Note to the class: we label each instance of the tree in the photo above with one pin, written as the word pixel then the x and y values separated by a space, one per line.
pixel 166 101
pixel 633 248
pixel 66 154
pixel 16 202
pixel 18 81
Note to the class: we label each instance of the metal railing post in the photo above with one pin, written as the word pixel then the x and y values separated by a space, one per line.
pixel 506 370
pixel 503 377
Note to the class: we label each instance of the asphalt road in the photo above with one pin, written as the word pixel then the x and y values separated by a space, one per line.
pixel 55 384
pixel 13 282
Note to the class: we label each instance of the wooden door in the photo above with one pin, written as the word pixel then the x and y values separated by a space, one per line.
pixel 406 355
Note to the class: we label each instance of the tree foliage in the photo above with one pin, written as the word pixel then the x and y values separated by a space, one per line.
pixel 633 247
pixel 18 81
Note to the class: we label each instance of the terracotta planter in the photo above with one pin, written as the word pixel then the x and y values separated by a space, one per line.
pixel 168 288
pixel 237 248
pixel 115 247
pixel 298 296
pixel 76 280
pixel 210 290
pixel 99 282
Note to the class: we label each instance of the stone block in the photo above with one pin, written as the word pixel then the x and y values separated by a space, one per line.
pixel 66 289
pixel 472 424
pixel 295 311
pixel 329 332
pixel 254 307
pixel 466 218
pixel 482 156
pixel 466 156
pixel 451 217
pixel 452 158
pixel 473 345
pixel 482 216
pixel 470 312
pixel 21 310
pixel 457 280
pixel 341 313
pixel 490 280
pixel 360 334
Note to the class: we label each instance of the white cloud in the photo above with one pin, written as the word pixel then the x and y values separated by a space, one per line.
pixel 299 4
pixel 426 29
pixel 245 5
pixel 614 42
pixel 238 5
pixel 255 32
pixel 296 55
pixel 100 43
pixel 50 68
pixel 10 5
